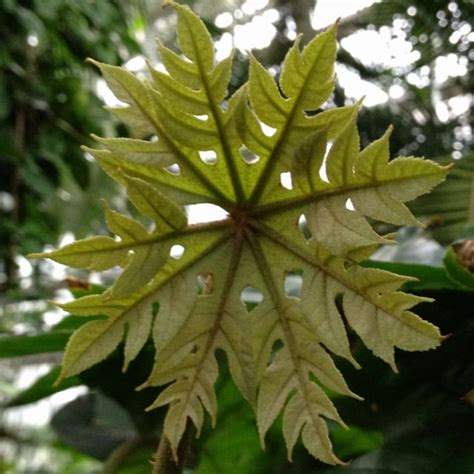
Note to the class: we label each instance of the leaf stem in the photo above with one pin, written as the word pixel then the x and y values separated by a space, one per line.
pixel 217 115
pixel 297 201
pixel 164 462
pixel 290 340
pixel 269 166
pixel 154 239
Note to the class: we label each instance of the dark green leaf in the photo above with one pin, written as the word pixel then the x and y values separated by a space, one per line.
pixel 429 278
pixel 458 274
pixel 43 387
pixel 14 346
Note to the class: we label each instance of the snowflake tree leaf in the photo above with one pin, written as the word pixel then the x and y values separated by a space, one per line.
pixel 226 288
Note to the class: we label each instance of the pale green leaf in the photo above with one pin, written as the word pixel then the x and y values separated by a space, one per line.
pixel 138 124
pixel 180 69
pixel 128 89
pixel 175 93
pixel 94 341
pixel 226 288
pixel 308 161
pixel 125 227
pixel 341 157
pixel 193 38
pixel 95 253
pixel 186 346
pixel 192 131
pixel 165 121
pixel 96 338
pixel 316 61
pixel 151 203
pixel 139 152
pixel 331 215
pixel 181 187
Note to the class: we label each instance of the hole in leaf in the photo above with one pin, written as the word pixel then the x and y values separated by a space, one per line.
pixel 185 58
pixel 173 169
pixel 251 297
pixel 338 302
pixel 208 156
pixel 203 117
pixel 89 157
pixel 267 130
pixel 249 157
pixel 205 212
pixel 322 171
pixel 107 96
pixel 205 283
pixel 293 284
pixel 150 138
pixel 277 345
pixel 273 71
pixel 349 205
pixel 225 105
pixel 161 68
pixel 176 251
pixel 285 180
pixel 303 225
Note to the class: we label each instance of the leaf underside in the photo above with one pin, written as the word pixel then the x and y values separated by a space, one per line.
pixel 449 211
pixel 280 352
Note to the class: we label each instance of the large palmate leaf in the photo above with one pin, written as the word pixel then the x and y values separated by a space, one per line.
pixel 278 352
pixel 450 208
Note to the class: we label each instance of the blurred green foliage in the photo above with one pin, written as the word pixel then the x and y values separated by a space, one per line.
pixel 48 108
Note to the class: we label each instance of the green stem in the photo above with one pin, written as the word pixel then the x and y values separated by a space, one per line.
pixel 217 115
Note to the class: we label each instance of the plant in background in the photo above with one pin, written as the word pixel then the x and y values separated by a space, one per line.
pixel 186 285
pixel 47 108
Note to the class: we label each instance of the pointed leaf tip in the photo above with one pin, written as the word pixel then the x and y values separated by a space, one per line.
pixel 94 62
pixel 58 380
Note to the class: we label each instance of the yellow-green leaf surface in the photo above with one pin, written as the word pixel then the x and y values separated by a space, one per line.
pixel 280 348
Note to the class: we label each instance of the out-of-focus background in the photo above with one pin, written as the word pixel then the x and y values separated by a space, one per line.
pixel 410 59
